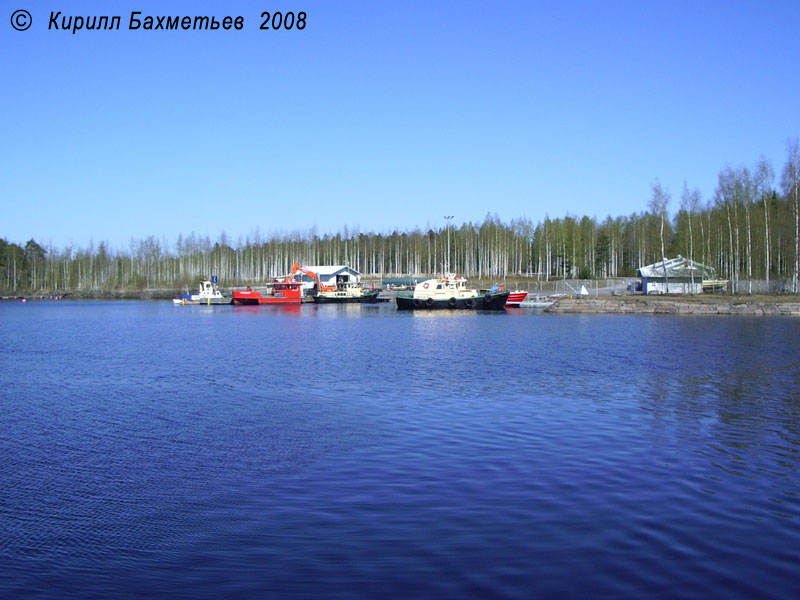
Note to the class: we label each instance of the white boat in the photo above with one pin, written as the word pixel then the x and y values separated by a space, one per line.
pixel 539 302
pixel 348 291
pixel 207 294
pixel 451 292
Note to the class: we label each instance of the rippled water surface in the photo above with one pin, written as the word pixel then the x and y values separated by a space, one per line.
pixel 148 450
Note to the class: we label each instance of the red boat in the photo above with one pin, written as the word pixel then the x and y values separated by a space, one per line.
pixel 516 298
pixel 279 292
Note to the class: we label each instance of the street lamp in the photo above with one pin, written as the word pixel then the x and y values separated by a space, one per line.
pixel 448 218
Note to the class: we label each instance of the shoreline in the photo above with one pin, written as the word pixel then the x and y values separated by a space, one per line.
pixel 621 305
pixel 155 294
pixel 698 305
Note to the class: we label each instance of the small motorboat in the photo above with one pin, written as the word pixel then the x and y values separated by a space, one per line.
pixel 207 294
pixel 346 292
pixel 539 302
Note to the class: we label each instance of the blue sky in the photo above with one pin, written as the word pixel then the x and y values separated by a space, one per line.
pixel 383 115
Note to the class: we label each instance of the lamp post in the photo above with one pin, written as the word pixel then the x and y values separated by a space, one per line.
pixel 448 218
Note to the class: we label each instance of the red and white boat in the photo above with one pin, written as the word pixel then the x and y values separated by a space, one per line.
pixel 515 298
pixel 278 292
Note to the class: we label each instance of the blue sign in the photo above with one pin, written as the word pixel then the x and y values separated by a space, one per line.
pixel 214 279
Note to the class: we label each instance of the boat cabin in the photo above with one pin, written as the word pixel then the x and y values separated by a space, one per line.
pixel 285 289
pixel 449 286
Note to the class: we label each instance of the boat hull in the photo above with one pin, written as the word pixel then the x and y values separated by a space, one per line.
pixel 539 304
pixel 282 294
pixel 516 298
pixel 258 301
pixel 494 301
pixel 367 297
pixel 203 301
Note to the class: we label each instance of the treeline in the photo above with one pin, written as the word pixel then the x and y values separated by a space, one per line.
pixel 748 230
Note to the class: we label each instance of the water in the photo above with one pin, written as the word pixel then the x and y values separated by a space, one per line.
pixel 148 450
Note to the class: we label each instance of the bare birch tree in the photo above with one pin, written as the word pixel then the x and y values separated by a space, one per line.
pixel 762 182
pixel 658 206
pixel 791 181
pixel 690 202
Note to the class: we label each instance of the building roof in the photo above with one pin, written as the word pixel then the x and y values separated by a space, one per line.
pixel 327 270
pixel 678 268
pixel 403 280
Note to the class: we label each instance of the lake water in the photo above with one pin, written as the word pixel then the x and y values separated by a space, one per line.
pixel 333 451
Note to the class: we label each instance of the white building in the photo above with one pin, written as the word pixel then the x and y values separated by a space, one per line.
pixel 330 275
pixel 682 276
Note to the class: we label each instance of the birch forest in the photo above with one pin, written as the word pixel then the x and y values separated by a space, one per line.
pixel 749 231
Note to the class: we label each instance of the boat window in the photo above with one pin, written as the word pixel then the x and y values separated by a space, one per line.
pixel 438 287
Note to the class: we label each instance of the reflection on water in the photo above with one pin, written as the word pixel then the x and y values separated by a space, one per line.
pixel 319 451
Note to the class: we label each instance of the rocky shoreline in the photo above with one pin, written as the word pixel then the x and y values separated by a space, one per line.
pixel 621 305
pixel 630 305
pixel 154 294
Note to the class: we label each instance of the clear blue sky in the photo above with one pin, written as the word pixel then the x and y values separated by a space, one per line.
pixel 383 115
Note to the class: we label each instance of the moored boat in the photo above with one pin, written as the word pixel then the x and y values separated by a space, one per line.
pixel 451 292
pixel 277 292
pixel 539 302
pixel 516 298
pixel 207 294
pixel 346 292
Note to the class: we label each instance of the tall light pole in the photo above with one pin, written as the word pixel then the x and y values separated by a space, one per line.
pixel 448 218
